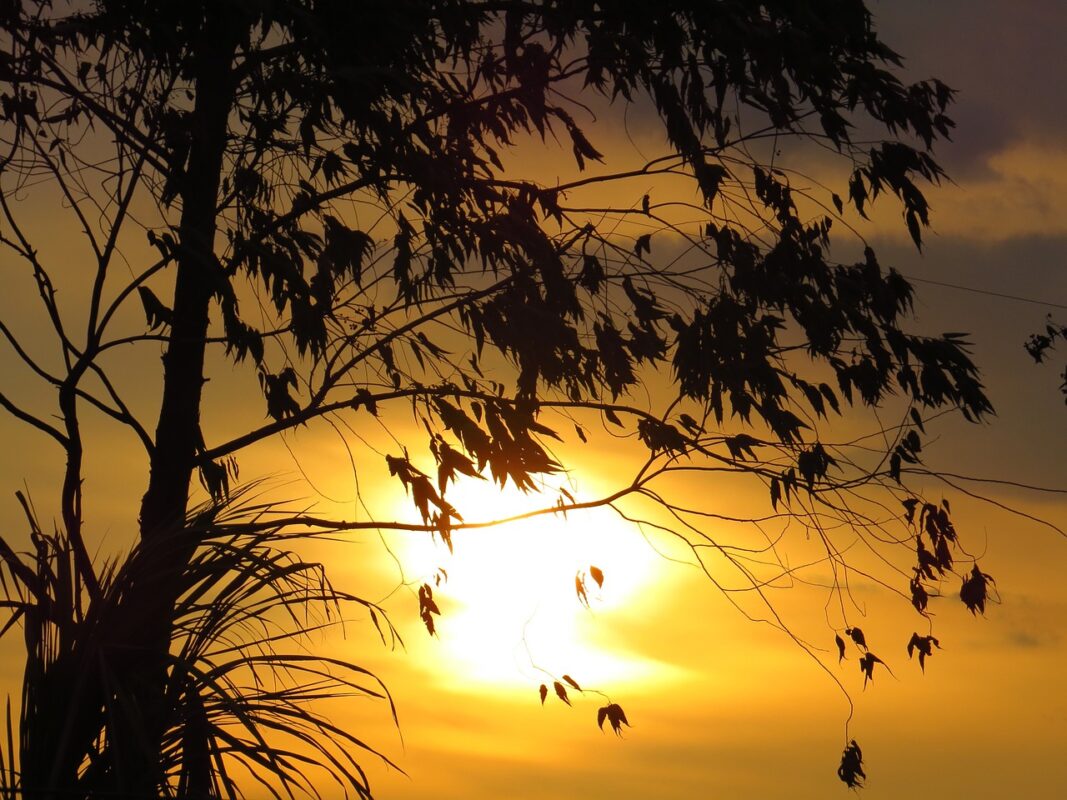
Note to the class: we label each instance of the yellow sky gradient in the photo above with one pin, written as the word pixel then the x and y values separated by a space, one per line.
pixel 719 706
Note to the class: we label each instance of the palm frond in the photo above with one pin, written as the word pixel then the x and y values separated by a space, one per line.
pixel 245 690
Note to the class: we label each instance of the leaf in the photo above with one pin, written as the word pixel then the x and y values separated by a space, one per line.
pixel 851 769
pixel 280 404
pixel 597 575
pixel 690 424
pixel 572 682
pixel 920 598
pixel 544 693
pixel 909 508
pixel 894 466
pixel 612 417
pixel 582 149
pixel 914 228
pixel 975 590
pixel 614 714
pixel 840 647
pixel 916 417
pixel 867 662
pixel 643 244
pixel 561 692
pixel 579 588
pixel 156 314
pixel 740 446
pixel 216 480
pixel 427 608
pixel 925 645
pixel 857 636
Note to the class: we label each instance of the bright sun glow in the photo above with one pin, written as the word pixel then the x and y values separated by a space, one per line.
pixel 511 614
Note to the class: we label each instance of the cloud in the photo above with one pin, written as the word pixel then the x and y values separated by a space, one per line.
pixel 1020 192
pixel 999 56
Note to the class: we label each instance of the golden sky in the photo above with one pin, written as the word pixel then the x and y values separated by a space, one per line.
pixel 721 706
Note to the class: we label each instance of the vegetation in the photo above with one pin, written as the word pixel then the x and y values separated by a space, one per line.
pixel 326 193
pixel 1039 344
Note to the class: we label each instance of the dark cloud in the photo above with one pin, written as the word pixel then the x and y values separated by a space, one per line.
pixel 1005 60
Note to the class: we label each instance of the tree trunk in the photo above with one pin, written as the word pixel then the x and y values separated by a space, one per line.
pixel 178 429
pixel 164 552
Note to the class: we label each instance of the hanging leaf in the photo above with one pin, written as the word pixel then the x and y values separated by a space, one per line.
pixel 857 636
pixel 280 404
pixel 851 769
pixel 156 314
pixel 867 662
pixel 643 244
pixel 579 588
pixel 975 590
pixel 216 480
pixel 561 692
pixel 427 608
pixel 925 645
pixel 614 714
pixel 544 693
pixel 597 576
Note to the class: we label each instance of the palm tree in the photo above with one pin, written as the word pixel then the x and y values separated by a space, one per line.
pixel 242 687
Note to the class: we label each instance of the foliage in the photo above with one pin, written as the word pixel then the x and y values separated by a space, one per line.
pixel 1039 344
pixel 329 200
pixel 241 684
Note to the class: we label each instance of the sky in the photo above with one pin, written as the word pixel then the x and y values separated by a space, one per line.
pixel 724 708
pixel 718 705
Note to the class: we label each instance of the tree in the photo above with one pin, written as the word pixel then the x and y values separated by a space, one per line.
pixel 325 191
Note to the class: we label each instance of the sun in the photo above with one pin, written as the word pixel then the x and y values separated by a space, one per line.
pixel 511 611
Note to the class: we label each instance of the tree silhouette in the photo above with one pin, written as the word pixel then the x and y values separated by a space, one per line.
pixel 329 198
pixel 1039 344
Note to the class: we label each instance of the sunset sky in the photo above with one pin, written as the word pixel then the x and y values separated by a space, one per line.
pixel 720 706
pixel 724 708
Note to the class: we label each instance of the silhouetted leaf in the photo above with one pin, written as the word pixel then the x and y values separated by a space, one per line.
pixel 597 576
pixel 840 647
pixel 857 636
pixel 925 645
pixel 851 769
pixel 614 714
pixel 643 244
pixel 544 693
pixel 280 404
pixel 215 480
pixel 572 682
pixel 867 662
pixel 561 692
pixel 920 598
pixel 427 607
pixel 156 314
pixel 975 590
